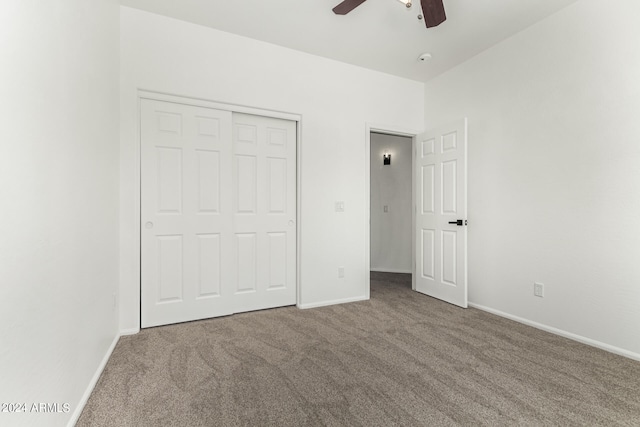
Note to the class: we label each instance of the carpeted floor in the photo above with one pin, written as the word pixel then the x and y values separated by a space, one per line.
pixel 400 359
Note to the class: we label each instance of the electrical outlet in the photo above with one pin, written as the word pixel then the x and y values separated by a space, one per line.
pixel 340 272
pixel 538 289
pixel 386 208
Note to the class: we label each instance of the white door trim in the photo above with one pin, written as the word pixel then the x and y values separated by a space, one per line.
pixel 199 102
pixel 391 130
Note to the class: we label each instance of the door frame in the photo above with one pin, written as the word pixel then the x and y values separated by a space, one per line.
pixel 233 108
pixel 395 131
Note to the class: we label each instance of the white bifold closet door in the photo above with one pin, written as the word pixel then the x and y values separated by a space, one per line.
pixel 218 212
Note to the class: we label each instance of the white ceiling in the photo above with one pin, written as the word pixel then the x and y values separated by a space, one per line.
pixel 380 34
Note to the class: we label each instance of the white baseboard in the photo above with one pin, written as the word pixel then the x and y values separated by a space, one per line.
pixel 131 331
pixel 94 380
pixel 560 332
pixel 332 302
pixel 390 270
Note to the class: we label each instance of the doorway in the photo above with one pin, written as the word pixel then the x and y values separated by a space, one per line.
pixel 390 203
pixel 438 209
pixel 390 249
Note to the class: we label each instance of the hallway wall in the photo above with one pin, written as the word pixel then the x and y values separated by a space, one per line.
pixel 391 187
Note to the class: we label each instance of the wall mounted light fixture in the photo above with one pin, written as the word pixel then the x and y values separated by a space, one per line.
pixel 386 159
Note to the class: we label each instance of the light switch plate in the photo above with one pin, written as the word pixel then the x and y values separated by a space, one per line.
pixel 538 289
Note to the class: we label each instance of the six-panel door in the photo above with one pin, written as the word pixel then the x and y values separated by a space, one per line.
pixel 264 212
pixel 441 200
pixel 202 178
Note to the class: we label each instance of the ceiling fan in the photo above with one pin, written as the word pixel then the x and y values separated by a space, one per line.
pixel 433 10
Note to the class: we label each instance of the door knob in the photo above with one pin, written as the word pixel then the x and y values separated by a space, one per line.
pixel 291 223
pixel 459 222
pixel 149 225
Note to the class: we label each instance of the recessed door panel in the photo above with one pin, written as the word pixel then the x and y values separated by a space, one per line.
pixel 449 257
pixel 208 181
pixel 428 254
pixel 246 188
pixel 208 128
pixel 428 189
pixel 169 180
pixel 277 137
pixel 428 147
pixel 277 252
pixel 277 185
pixel 246 262
pixel 169 268
pixel 209 265
pixel 449 187
pixel 246 134
pixel 169 122
pixel 449 141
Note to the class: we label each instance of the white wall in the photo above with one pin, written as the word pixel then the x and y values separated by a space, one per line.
pixel 335 100
pixel 59 197
pixel 554 170
pixel 391 186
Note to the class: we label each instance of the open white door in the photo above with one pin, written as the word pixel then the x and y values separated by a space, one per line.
pixel 441 213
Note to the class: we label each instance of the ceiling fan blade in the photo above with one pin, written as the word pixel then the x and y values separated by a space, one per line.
pixel 433 11
pixel 347 6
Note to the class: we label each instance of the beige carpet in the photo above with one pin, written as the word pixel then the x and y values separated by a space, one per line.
pixel 400 359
